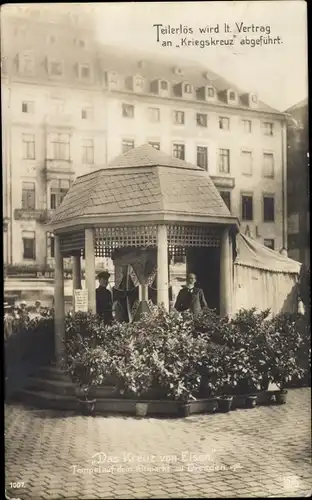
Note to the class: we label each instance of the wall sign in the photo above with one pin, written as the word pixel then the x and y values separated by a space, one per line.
pixel 81 300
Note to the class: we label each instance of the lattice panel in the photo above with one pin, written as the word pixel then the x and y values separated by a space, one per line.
pixel 192 236
pixel 72 243
pixel 108 239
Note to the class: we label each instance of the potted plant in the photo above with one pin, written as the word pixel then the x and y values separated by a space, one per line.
pixel 251 400
pixel 87 365
pixel 285 342
pixel 225 403
pixel 185 403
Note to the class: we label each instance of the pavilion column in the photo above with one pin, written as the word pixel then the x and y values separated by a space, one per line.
pixel 76 266
pixel 226 257
pixel 90 268
pixel 162 267
pixel 59 303
pixel 144 292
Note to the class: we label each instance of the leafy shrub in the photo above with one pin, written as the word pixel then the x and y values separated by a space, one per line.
pixel 289 344
pixel 174 355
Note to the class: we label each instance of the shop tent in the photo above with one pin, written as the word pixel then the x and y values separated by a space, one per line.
pixel 263 278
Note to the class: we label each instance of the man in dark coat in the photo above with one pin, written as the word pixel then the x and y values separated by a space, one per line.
pixel 190 297
pixel 104 302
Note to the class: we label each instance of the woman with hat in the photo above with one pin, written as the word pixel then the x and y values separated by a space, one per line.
pixel 104 302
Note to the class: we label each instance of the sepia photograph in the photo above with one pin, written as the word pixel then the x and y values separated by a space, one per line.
pixel 156 250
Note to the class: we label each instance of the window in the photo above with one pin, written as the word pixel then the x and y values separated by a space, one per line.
pixel 268 165
pixel 112 77
pixel 246 162
pixel 269 243
pixel 86 113
pixel 28 146
pixel 28 107
pixel 268 128
pixel 84 71
pixel 57 105
pixel 254 98
pixel 202 157
pixel 26 63
pixel 226 197
pixel 139 82
pixel 155 145
pixel 224 123
pixel 127 145
pixel 201 120
pixel 187 88
pixel 164 85
pixel 232 96
pixel 224 161
pixel 247 126
pixel 247 207
pixel 211 92
pixel 128 110
pixel 178 117
pixel 268 209
pixel 29 245
pixel 29 195
pixel 60 146
pixel 88 151
pixel 50 245
pixel 56 68
pixel 154 114
pixel 179 151
pixel 58 190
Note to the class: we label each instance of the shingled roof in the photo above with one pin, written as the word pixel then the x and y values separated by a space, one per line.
pixel 143 184
pixel 154 66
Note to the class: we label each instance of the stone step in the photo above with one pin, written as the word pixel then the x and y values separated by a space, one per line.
pixel 65 387
pixel 47 400
pixel 51 372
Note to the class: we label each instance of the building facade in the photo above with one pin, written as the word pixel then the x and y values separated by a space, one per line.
pixel 298 182
pixel 70 105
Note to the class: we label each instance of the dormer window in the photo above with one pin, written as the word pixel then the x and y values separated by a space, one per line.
pixel 187 88
pixel 210 92
pixel 112 79
pixel 84 71
pixel 160 87
pixel 139 82
pixel 254 98
pixel 231 96
pixel 135 83
pixel 55 68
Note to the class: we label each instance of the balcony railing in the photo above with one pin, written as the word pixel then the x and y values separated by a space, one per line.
pixel 59 120
pixel 52 166
pixel 224 182
pixel 33 214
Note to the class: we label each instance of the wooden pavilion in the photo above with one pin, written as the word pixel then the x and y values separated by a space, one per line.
pixel 140 209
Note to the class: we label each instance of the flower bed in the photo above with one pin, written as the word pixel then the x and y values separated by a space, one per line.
pixel 175 357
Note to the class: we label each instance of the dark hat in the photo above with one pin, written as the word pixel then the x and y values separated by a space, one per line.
pixel 103 275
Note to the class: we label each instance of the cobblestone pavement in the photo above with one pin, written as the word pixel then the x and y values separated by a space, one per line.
pixel 264 451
